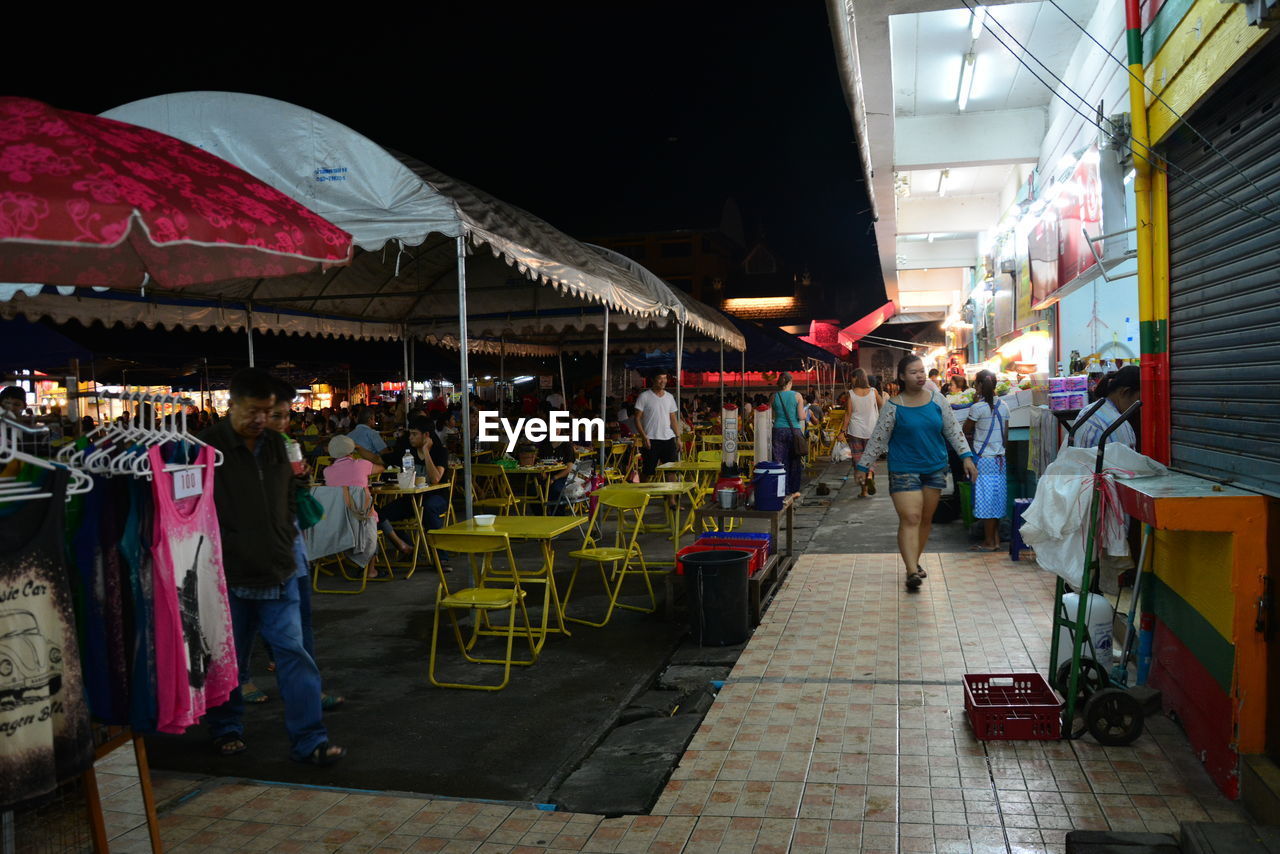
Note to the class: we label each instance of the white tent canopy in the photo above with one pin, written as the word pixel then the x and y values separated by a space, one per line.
pixel 402 214
pixel 698 316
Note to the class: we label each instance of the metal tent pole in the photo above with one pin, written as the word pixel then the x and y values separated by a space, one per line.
pixel 679 371
pixel 722 382
pixel 466 373
pixel 564 390
pixel 248 328
pixel 502 372
pixel 407 381
pixel 604 386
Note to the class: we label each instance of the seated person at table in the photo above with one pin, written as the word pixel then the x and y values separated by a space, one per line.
pixel 369 443
pixel 316 428
pixel 431 462
pixel 564 452
pixel 349 471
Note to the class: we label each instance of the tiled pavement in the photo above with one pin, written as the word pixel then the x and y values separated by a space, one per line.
pixel 841 728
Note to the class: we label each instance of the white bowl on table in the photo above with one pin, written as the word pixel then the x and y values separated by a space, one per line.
pixel 485 520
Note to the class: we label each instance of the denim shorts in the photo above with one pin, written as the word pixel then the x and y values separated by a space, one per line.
pixel 911 482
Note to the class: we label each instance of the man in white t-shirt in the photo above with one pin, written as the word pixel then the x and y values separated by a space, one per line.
pixel 655 418
pixel 555 401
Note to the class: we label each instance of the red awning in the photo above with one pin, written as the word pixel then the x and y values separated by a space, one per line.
pixel 868 324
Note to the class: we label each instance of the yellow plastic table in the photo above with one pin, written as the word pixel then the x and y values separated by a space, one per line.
pixel 543 529
pixel 390 491
pixel 677 489
pixel 541 476
pixel 705 474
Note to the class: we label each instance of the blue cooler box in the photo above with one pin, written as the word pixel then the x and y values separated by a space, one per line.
pixel 770 484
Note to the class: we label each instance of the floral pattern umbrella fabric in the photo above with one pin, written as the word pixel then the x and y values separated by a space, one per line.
pixel 90 201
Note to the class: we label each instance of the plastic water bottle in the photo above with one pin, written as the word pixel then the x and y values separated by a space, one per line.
pixel 406 462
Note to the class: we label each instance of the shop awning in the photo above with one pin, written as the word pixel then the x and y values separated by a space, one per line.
pixel 867 324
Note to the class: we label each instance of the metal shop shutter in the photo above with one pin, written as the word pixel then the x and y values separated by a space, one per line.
pixel 1224 311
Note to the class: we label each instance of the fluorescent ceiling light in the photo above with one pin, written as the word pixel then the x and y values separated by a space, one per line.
pixel 966 80
pixel 943 176
pixel 979 18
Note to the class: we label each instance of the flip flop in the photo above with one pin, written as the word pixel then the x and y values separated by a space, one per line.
pixel 982 548
pixel 913 583
pixel 323 755
pixel 226 745
pixel 329 702
pixel 251 693
pixel 920 572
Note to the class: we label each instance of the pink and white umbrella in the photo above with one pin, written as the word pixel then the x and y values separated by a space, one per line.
pixel 91 201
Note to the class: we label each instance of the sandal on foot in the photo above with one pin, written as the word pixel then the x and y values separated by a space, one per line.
pixel 920 572
pixel 913 583
pixel 329 702
pixel 229 744
pixel 251 693
pixel 324 754
pixel 271 667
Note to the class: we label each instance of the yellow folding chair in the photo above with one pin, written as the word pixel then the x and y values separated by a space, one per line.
pixel 339 562
pixel 317 476
pixel 480 600
pixel 614 461
pixel 491 490
pixel 620 503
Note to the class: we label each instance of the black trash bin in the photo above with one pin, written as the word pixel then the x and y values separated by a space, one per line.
pixel 716 584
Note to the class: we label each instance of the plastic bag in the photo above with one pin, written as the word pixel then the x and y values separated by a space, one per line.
pixel 310 510
pixel 840 452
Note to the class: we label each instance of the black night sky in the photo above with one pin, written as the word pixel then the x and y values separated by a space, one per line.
pixel 599 117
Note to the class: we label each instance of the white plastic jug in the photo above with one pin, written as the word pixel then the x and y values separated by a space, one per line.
pixel 1098 617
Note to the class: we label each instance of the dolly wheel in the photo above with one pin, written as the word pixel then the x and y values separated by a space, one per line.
pixel 1114 717
pixel 1092 679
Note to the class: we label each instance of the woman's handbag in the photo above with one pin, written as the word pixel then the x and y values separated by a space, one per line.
pixel 800 443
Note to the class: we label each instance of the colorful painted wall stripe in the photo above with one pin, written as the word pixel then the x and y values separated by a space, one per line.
pixel 1203 708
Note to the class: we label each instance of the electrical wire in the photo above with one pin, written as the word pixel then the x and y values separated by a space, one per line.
pixel 1164 103
pixel 1151 157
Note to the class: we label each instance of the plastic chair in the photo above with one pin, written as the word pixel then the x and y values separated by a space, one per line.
pixel 620 503
pixel 481 600
pixel 613 463
pixel 338 562
pixel 491 488
pixel 317 476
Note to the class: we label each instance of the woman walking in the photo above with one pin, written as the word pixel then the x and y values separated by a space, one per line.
pixel 788 430
pixel 987 429
pixel 915 427
pixel 861 412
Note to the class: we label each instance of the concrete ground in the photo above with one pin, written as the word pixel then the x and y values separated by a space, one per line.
pixel 840 729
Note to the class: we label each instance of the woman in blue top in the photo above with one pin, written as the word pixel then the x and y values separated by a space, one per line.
pixel 788 421
pixel 915 427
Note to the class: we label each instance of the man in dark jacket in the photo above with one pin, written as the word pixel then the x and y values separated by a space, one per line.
pixel 254 493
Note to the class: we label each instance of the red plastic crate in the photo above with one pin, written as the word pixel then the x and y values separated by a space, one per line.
pixel 757 556
pixel 728 541
pixel 1012 706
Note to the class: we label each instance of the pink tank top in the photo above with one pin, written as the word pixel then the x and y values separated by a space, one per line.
pixel 196 666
